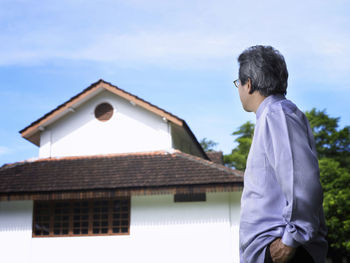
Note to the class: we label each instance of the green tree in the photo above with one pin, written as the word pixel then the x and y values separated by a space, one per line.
pixel 333 147
pixel 238 156
pixel 208 145
pixel 335 181
pixel 331 142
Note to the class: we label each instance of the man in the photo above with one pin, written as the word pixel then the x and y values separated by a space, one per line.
pixel 281 208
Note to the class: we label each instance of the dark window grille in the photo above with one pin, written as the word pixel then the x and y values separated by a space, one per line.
pixel 199 197
pixel 41 225
pixel 81 218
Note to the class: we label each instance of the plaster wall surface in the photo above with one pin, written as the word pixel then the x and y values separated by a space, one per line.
pixel 160 231
pixel 16 231
pixel 131 129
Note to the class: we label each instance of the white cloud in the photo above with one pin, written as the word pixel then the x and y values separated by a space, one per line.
pixel 183 34
pixel 157 47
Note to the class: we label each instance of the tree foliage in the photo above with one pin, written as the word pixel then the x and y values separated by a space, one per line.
pixel 333 147
pixel 208 145
pixel 238 156
pixel 336 203
pixel 331 142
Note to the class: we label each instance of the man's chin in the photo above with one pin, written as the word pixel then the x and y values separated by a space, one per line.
pixel 246 109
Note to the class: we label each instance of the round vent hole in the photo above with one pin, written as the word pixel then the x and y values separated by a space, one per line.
pixel 104 111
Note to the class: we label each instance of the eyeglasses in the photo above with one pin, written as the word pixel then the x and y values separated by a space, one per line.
pixel 237 82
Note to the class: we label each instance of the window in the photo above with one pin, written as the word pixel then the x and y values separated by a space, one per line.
pixel 200 197
pixel 81 217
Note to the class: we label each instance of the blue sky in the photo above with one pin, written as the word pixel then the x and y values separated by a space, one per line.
pixel 178 55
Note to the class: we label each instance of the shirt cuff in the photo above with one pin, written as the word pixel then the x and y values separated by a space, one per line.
pixel 288 240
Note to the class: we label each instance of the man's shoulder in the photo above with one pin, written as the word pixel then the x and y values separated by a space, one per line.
pixel 284 107
pixel 284 111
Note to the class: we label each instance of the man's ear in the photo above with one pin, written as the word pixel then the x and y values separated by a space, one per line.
pixel 249 86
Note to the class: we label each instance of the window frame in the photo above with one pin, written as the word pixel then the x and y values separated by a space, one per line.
pixel 111 201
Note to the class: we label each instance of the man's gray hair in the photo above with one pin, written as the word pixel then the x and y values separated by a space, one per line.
pixel 266 68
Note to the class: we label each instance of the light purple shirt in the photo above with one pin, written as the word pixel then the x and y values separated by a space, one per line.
pixel 282 195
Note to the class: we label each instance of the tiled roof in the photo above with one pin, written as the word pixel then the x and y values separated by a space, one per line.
pixel 115 171
pixel 216 157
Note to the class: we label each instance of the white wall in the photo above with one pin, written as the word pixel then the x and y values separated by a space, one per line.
pixel 131 129
pixel 16 231
pixel 161 231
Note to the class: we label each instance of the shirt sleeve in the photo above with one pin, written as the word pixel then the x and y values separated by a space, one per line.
pixel 290 152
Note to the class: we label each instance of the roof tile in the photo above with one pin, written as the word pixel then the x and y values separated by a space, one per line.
pixel 114 171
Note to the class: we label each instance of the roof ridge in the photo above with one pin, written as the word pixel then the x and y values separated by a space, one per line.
pixel 91 86
pixel 139 98
pixel 77 157
pixel 12 165
pixel 62 104
pixel 206 162
pixel 212 151
pixel 108 155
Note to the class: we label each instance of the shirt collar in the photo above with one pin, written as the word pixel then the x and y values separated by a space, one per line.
pixel 270 99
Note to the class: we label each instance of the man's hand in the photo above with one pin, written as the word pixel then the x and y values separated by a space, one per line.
pixel 280 253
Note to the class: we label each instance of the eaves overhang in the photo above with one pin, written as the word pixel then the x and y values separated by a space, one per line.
pixel 32 131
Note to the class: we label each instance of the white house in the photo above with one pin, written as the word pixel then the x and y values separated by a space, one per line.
pixel 117 180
